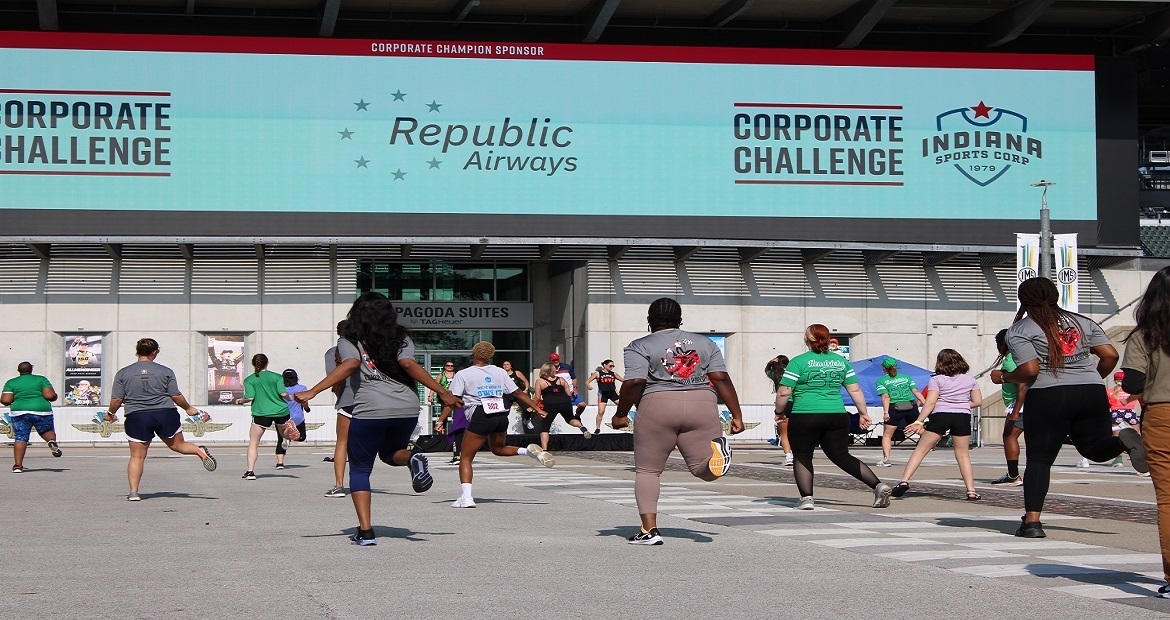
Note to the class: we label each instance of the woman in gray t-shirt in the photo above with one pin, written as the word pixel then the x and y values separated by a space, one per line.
pixel 1054 351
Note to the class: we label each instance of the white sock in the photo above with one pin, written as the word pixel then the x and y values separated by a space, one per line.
pixel 466 486
pixel 522 451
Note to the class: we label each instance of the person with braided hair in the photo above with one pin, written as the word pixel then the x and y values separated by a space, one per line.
pixel 1053 350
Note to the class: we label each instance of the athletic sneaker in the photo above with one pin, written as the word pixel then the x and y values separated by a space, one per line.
pixel 1118 462
pixel 788 460
pixel 597 431
pixel 1014 481
pixel 1132 442
pixel 881 495
pixel 335 492
pixel 208 461
pixel 364 538
pixel 249 475
pixel 133 497
pixel 805 503
pixel 585 433
pixel 720 460
pixel 544 457
pixel 1083 463
pixel 1030 529
pixel 420 473
pixel 327 459
pixel 773 442
pixel 291 431
pixel 54 448
pixel 17 469
pixel 280 465
pixel 463 502
pixel 454 461
pixel 1164 591
pixel 885 463
pixel 653 537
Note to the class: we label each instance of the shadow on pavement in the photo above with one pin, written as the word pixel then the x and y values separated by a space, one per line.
pixel 626 531
pixel 173 494
pixel 382 531
pixel 48 469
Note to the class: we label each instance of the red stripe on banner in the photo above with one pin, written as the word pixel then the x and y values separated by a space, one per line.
pixel 864 183
pixel 542 51
pixel 121 93
pixel 80 173
pixel 828 106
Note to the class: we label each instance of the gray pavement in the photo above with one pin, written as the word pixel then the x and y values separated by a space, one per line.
pixel 542 542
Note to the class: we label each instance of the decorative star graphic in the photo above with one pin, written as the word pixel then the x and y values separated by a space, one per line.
pixel 399 96
pixel 434 107
pixel 982 110
pixel 362 162
pixel 434 163
pixel 399 175
pixel 346 134
pixel 362 104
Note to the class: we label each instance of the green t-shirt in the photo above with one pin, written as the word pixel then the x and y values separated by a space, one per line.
pixel 899 387
pixel 1010 391
pixel 26 393
pixel 265 387
pixel 816 380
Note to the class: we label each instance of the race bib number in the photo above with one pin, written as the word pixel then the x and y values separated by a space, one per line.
pixel 493 405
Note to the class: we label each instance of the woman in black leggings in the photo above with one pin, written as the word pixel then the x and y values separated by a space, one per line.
pixel 552 394
pixel 1066 392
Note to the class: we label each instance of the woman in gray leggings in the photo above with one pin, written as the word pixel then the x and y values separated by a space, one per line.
pixel 673 377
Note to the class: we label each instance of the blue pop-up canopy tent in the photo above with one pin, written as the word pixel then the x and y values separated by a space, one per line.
pixel 870 370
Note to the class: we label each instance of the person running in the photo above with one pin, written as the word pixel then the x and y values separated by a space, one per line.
pixel 1147 352
pixel 296 412
pixel 673 377
pixel 150 391
pixel 483 386
pixel 815 379
pixel 952 394
pixel 567 373
pixel 30 399
pixel 386 404
pixel 455 432
pixel 1013 400
pixel 1066 395
pixel 607 389
pixel 1122 406
pixel 343 390
pixel 553 398
pixel 900 402
pixel 774 370
pixel 265 391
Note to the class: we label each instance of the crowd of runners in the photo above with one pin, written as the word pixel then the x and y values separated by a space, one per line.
pixel 1052 368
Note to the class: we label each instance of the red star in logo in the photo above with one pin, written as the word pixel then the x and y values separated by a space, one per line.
pixel 982 110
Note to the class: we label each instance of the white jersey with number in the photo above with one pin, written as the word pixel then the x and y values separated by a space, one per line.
pixel 483 386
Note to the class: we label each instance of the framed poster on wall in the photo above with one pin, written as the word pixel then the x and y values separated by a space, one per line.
pixel 225 373
pixel 83 370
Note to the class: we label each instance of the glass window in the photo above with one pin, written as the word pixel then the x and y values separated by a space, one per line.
pixel 444 281
pixel 512 283
pixel 449 340
pixel 464 282
pixel 504 340
pixel 398 281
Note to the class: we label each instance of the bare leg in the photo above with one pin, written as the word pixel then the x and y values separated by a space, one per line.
pixel 254 435
pixel 544 440
pixel 361 504
pixel 497 443
pixel 784 443
pixel 472 442
pixel 179 444
pixel 926 443
pixel 339 451
pixel 600 414
pixel 888 439
pixel 649 521
pixel 136 464
pixel 963 458
pixel 18 450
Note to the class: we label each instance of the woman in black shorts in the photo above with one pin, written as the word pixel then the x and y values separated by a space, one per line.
pixel 607 380
pixel 553 398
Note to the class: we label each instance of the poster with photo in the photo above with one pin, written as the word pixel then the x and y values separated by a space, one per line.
pixel 83 370
pixel 840 346
pixel 225 371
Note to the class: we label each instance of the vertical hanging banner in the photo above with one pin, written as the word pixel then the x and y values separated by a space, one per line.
pixel 1027 257
pixel 1067 278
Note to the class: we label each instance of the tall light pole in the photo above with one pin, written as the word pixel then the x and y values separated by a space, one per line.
pixel 1045 231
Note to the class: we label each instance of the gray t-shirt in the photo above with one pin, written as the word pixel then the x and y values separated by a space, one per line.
pixel 143 386
pixel 377 396
pixel 1028 342
pixel 672 359
pixel 475 383
pixel 345 399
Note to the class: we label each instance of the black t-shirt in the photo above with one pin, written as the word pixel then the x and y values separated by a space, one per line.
pixel 606 382
pixel 554 393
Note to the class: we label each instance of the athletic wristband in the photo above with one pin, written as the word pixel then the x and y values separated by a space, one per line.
pixel 622 415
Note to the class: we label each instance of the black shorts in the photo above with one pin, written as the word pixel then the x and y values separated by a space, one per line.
pixel 602 397
pixel 481 423
pixel 565 410
pixel 959 424
pixel 901 419
pixel 266 421
pixel 142 426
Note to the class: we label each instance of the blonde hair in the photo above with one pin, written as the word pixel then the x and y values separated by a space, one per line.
pixel 483 351
pixel 548 371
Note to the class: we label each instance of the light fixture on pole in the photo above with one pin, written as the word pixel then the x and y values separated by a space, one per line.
pixel 1045 231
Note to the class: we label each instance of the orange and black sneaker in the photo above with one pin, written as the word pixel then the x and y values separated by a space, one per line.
pixel 720 456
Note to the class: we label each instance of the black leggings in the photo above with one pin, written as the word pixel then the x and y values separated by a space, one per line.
pixel 280 447
pixel 1077 411
pixel 831 430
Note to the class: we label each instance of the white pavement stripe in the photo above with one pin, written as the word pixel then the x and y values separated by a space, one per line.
pixel 1027 570
pixel 955 534
pixel 1099 560
pixel 849 543
pixel 810 531
pixel 1106 592
pixel 1021 545
pixel 891 525
pixel 720 515
pixel 947 554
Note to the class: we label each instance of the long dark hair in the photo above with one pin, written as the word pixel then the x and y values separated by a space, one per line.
pixel 774 370
pixel 1038 300
pixel 1001 347
pixel 373 322
pixel 1153 313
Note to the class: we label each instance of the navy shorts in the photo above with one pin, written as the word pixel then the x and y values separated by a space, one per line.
pixel 23 425
pixel 481 423
pixel 902 419
pixel 142 426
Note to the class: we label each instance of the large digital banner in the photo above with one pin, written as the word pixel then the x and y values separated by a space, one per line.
pixel 277 125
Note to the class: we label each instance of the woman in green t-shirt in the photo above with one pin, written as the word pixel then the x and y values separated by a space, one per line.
pixel 815 380
pixel 265 390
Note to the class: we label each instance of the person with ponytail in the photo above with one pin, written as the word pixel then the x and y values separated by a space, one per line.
pixel 774 370
pixel 1054 352
pixel 1147 350
pixel 265 390
pixel 385 404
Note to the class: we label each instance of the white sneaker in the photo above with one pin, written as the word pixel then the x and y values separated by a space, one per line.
pixel 885 463
pixel 805 503
pixel 788 460
pixel 463 502
pixel 1083 463
pixel 545 458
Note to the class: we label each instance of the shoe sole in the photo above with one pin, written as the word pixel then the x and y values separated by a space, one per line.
pixel 899 491
pixel 456 504
pixel 542 456
pixel 133 498
pixel 883 496
pixel 364 542
pixel 1023 535
pixel 209 462
pixel 653 541
pixel 420 475
pixel 18 471
pixel 803 507
pixel 335 495
pixel 720 457
pixel 55 449
pixel 1132 442
pixel 291 432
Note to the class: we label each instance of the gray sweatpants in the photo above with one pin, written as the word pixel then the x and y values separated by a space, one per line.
pixel 688 419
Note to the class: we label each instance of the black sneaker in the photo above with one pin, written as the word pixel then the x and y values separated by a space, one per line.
pixel 1132 442
pixel 653 537
pixel 1030 529
pixel 280 465
pixel 54 448
pixel 249 475
pixel 1008 480
pixel 364 538
pixel 1164 591
pixel 420 473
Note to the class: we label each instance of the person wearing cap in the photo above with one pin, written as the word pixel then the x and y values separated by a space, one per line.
pixel 1122 406
pixel 900 401
pixel 296 413
pixel 567 373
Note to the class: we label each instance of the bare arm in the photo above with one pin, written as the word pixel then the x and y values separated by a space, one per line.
pixel 859 402
pixel 115 404
pixel 592 378
pixel 631 394
pixel 6 398
pixel 1106 359
pixel 931 400
pixel 976 398
pixel 1027 372
pixel 783 393
pixel 721 381
pixel 49 394
pixel 182 403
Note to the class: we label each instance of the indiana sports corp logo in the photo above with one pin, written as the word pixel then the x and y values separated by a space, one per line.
pixel 982 142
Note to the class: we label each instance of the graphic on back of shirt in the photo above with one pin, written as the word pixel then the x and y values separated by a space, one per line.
pixel 1070 340
pixel 680 361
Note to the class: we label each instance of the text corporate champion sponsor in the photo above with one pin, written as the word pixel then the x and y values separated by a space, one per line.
pixel 513 139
